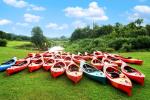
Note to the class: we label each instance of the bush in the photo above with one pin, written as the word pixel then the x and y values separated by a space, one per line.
pixel 3 42
pixel 141 42
pixel 117 43
pixel 126 47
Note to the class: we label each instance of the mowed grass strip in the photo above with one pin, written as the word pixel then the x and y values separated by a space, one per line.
pixel 39 85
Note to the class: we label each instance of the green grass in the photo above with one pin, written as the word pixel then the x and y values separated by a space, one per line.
pixel 40 85
pixel 17 43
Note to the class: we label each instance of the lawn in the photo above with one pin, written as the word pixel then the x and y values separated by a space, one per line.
pixel 40 85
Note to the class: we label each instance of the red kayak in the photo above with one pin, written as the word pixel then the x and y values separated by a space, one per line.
pixel 115 60
pixel 85 56
pixel 31 54
pixel 19 66
pixel 58 57
pixel 36 57
pixel 77 59
pixel 133 61
pixel 89 56
pixel 133 74
pixel 97 63
pixel 48 63
pixel 130 60
pixel 74 72
pixel 64 54
pixel 47 54
pixel 105 60
pixel 67 60
pixel 58 69
pixel 98 54
pixel 35 65
pixel 118 79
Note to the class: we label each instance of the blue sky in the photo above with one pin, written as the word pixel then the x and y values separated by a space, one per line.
pixel 61 17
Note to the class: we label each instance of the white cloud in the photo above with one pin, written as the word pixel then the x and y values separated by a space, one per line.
pixel 4 21
pixel 142 9
pixel 79 24
pixel 93 12
pixel 22 24
pixel 133 16
pixel 23 4
pixel 31 18
pixel 55 26
pixel 139 11
pixel 16 3
pixel 36 8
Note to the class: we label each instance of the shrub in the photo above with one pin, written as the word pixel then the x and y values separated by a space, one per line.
pixel 126 47
pixel 141 42
pixel 3 42
pixel 117 43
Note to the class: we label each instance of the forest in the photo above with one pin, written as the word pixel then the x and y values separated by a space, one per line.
pixel 118 37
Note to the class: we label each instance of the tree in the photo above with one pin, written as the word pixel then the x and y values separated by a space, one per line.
pixel 63 37
pixel 2 35
pixel 105 29
pixel 38 39
pixel 139 22
pixel 148 29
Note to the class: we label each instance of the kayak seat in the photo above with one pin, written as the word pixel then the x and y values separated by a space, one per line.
pixel 129 69
pixel 73 68
pixel 114 74
pixel 8 62
pixel 114 59
pixel 129 57
pixel 21 63
pixel 88 68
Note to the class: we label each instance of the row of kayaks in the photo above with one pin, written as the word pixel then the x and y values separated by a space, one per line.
pixel 97 66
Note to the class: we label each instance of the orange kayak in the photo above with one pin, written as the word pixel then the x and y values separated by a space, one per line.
pixel 97 63
pixel 67 60
pixel 117 79
pixel 48 63
pixel 35 65
pixel 58 69
pixel 130 60
pixel 133 73
pixel 19 66
pixel 74 72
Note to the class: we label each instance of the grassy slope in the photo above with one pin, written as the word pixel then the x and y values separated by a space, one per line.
pixel 40 85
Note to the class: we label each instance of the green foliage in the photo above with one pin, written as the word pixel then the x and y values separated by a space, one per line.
pixel 3 42
pixel 88 45
pixel 141 42
pixel 126 47
pixel 9 36
pixel 38 39
pixel 117 43
pixel 119 37
pixel 148 29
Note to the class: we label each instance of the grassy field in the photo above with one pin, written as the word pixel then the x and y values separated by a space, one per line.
pixel 40 85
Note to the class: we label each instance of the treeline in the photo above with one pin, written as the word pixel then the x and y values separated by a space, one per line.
pixel 132 29
pixel 118 37
pixel 9 36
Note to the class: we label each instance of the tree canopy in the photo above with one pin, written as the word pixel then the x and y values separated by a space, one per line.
pixel 132 29
pixel 38 39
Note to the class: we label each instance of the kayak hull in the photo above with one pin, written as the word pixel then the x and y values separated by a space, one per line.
pixel 3 67
pixel 34 68
pixel 125 88
pixel 75 79
pixel 135 75
pixel 96 78
pixel 12 70
pixel 57 74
